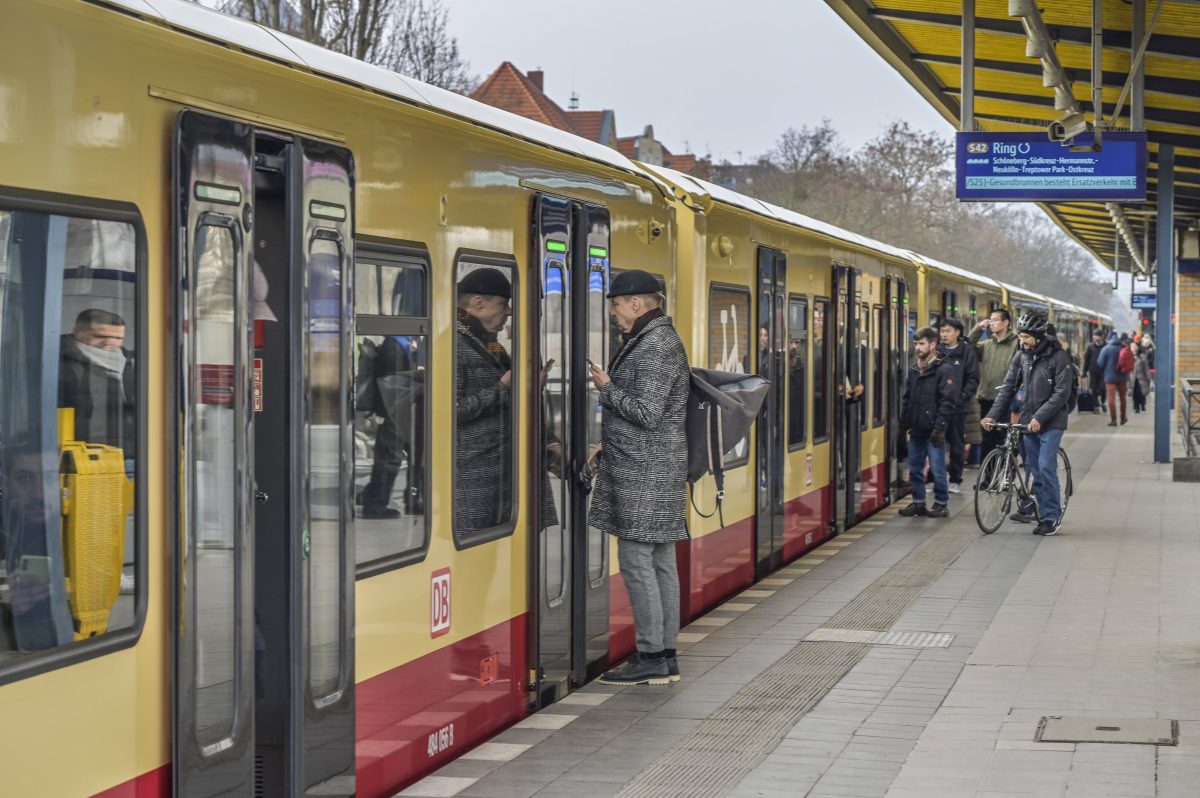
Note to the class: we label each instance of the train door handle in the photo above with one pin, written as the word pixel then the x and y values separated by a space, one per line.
pixel 261 497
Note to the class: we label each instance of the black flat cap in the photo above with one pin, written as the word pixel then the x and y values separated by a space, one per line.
pixel 486 281
pixel 634 281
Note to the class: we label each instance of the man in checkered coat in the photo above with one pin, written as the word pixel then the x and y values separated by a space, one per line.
pixel 641 483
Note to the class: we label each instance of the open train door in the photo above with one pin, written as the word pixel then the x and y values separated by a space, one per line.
pixel 570 561
pixel 769 431
pixel 848 372
pixel 264 611
pixel 214 578
pixel 896 343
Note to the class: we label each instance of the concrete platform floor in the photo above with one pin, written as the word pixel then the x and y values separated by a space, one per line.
pixel 1102 620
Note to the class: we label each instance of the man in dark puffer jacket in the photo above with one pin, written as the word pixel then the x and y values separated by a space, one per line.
pixel 931 399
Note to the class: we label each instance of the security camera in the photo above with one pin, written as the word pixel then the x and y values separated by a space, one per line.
pixel 1067 128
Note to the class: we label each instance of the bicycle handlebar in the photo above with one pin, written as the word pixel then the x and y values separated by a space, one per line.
pixel 1017 427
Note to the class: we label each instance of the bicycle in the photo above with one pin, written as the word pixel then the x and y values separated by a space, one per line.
pixel 1003 472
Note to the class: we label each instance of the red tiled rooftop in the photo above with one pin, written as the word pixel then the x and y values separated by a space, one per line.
pixel 587 123
pixel 510 89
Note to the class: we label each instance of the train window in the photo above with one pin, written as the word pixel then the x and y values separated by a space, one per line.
pixel 729 346
pixel 390 420
pixel 484 410
pixel 820 355
pixel 864 346
pixel 797 370
pixel 877 352
pixel 69 439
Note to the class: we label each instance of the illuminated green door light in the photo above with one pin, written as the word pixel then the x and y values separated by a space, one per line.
pixel 598 252
pixel 556 246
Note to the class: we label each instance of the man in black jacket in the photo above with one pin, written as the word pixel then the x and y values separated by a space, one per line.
pixel 97 379
pixel 1094 371
pixel 931 398
pixel 1043 369
pixel 961 356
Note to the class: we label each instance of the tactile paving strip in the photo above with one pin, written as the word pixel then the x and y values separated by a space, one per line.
pixel 730 743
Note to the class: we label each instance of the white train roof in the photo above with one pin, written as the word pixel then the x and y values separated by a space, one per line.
pixel 261 40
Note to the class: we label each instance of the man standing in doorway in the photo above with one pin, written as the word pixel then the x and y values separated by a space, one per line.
pixel 995 353
pixel 641 484
pixel 961 357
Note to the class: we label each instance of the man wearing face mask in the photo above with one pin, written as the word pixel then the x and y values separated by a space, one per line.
pixel 96 379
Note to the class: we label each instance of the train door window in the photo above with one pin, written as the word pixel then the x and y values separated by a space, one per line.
pixel 974 309
pixel 877 365
pixel 729 345
pixel 820 367
pixel 390 399
pixel 70 337
pixel 484 411
pixel 556 401
pixel 864 357
pixel 797 370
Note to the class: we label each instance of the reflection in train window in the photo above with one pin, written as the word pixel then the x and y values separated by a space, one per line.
pixel 483 400
pixel 820 331
pixel 729 346
pixel 68 552
pixel 797 369
pixel 392 361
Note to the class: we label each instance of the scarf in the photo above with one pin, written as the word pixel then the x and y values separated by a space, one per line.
pixel 469 325
pixel 111 360
pixel 638 326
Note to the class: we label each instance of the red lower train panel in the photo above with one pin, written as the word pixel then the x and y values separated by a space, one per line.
pixel 416 718
pixel 874 489
pixel 155 784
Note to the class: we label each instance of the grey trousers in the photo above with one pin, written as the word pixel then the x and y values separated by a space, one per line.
pixel 652 581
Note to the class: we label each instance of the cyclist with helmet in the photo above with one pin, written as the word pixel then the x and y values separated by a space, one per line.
pixel 1043 371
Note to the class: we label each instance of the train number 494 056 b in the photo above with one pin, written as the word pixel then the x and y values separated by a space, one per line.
pixel 441 740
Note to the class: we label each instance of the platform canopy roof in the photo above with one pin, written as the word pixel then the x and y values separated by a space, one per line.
pixel 923 40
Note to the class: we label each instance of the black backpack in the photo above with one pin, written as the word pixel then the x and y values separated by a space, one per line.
pixel 721 407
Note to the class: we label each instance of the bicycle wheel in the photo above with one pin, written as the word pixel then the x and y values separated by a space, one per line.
pixel 1065 485
pixel 993 490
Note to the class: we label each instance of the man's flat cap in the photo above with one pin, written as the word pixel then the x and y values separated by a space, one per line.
pixel 486 281
pixel 634 281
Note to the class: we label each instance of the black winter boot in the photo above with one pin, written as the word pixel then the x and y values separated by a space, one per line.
pixel 672 664
pixel 641 668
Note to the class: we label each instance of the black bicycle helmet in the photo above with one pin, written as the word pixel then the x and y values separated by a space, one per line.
pixel 1033 324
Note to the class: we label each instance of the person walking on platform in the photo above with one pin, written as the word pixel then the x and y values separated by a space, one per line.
pixel 995 354
pixel 961 356
pixel 1043 370
pixel 931 400
pixel 1142 384
pixel 1094 371
pixel 640 495
pixel 1116 379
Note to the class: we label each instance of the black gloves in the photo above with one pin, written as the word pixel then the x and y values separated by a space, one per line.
pixel 938 438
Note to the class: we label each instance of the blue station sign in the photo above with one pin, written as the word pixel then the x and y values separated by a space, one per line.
pixel 1143 301
pixel 1027 166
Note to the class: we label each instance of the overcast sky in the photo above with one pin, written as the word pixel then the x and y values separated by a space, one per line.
pixel 723 77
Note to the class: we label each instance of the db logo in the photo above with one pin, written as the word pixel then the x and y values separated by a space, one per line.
pixel 977 147
pixel 439 603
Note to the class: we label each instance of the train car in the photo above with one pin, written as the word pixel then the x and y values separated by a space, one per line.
pixel 819 311
pixel 271 576
pixel 290 498
pixel 1020 301
pixel 954 292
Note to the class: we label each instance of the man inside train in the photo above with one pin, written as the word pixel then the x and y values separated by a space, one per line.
pixel 96 379
pixel 483 384
pixel 961 356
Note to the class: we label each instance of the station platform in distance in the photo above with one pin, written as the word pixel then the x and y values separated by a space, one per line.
pixel 916 658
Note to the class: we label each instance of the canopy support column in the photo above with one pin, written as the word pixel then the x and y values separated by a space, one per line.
pixel 1164 360
pixel 966 119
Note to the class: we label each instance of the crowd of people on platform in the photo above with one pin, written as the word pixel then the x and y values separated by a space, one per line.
pixel 959 389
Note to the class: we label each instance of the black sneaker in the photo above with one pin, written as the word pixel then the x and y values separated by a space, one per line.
pixel 1022 517
pixel 912 510
pixel 1046 529
pixel 672 665
pixel 938 511
pixel 639 669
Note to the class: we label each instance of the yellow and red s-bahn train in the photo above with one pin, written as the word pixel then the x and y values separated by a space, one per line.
pixel 253 537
